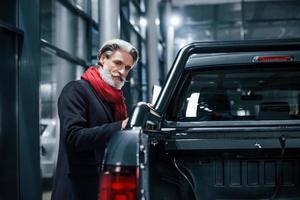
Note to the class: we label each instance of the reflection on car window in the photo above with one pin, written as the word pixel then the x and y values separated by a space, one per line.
pixel 42 128
pixel 191 110
pixel 244 93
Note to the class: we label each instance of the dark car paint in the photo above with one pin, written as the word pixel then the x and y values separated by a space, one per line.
pixel 122 148
pixel 130 147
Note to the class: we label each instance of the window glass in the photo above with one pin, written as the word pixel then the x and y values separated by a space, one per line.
pixel 95 45
pixel 56 72
pixel 63 29
pixel 245 93
pixel 81 43
pixel 274 29
pixel 242 20
pixel 143 72
pixel 134 16
pixel 95 9
pixel 83 5
pixel 280 10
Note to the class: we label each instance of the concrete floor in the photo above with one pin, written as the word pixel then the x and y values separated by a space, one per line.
pixel 47 187
pixel 46 195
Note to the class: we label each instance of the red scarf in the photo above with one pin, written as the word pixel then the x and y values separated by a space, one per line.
pixel 107 92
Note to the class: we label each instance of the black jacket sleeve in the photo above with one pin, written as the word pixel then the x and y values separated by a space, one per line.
pixel 72 109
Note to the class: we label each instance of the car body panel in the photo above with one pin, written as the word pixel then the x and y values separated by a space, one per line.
pixel 48 147
pixel 244 159
pixel 122 148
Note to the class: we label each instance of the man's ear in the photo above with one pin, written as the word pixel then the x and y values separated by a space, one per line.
pixel 102 59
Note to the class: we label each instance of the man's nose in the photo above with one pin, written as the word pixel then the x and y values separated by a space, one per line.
pixel 121 70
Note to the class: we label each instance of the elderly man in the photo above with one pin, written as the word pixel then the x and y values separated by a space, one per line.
pixel 90 111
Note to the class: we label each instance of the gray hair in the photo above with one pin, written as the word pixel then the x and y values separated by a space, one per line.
pixel 113 45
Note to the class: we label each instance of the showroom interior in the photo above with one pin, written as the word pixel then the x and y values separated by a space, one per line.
pixel 47 43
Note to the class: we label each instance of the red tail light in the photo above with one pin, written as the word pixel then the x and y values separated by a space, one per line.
pixel 119 183
pixel 273 59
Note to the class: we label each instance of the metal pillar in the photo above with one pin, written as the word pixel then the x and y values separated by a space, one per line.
pixel 28 149
pixel 152 42
pixel 169 35
pixel 109 20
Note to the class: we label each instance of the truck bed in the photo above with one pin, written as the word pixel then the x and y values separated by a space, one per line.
pixel 204 170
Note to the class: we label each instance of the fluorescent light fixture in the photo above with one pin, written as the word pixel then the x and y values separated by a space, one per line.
pixel 157 22
pixel 143 22
pixel 175 20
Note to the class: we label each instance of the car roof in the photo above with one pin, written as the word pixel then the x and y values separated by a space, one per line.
pixel 198 60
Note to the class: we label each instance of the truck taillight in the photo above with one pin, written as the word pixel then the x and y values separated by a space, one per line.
pixel 119 183
pixel 273 59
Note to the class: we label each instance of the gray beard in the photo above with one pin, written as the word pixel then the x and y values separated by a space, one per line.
pixel 106 76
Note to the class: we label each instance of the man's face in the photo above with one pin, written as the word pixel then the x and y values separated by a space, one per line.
pixel 116 68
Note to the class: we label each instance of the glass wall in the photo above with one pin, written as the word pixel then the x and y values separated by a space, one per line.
pixel 242 20
pixel 95 10
pixel 64 29
pixel 70 42
pixel 132 30
pixel 95 35
pixel 95 45
pixel 68 36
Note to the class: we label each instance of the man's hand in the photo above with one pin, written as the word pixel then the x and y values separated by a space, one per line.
pixel 150 105
pixel 124 123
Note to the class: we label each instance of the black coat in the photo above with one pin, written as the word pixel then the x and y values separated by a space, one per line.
pixel 86 124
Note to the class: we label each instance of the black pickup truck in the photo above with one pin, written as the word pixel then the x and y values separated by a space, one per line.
pixel 226 125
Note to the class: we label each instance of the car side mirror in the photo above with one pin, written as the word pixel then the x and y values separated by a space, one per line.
pixel 140 115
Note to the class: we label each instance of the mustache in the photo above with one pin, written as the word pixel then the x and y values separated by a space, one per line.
pixel 118 75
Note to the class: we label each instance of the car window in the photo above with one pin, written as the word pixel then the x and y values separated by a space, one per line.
pixel 254 92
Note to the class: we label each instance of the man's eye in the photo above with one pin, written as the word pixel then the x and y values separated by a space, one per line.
pixel 127 68
pixel 118 63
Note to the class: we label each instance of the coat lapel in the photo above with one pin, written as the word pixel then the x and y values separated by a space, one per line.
pixel 105 108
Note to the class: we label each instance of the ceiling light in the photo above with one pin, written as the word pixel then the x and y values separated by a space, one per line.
pixel 175 20
pixel 157 22
pixel 143 22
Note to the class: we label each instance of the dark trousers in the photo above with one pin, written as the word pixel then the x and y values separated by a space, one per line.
pixel 84 188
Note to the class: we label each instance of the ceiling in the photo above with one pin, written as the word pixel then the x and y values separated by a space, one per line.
pixel 212 20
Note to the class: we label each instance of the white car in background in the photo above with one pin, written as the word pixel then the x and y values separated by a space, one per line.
pixel 48 147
